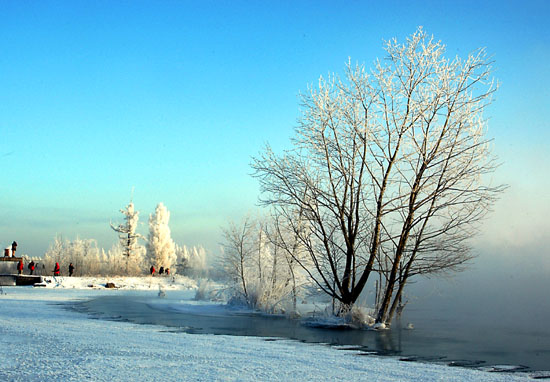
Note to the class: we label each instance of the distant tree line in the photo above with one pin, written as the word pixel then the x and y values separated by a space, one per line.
pixel 128 256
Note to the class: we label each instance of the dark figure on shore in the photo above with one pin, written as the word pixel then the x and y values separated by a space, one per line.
pixel 152 270
pixel 56 269
pixel 13 248
pixel 20 267
pixel 161 271
pixel 31 267
pixel 71 269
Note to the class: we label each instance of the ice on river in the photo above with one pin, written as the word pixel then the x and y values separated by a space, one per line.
pixel 41 340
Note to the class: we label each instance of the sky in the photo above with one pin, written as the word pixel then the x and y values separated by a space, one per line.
pixel 105 102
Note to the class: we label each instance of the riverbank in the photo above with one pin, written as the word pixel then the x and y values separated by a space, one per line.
pixel 43 340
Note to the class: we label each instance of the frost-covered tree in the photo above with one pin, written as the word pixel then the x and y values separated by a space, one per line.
pixel 388 169
pixel 88 259
pixel 129 238
pixel 237 257
pixel 161 250
pixel 83 253
pixel 191 261
pixel 53 255
pixel 286 247
pixel 258 271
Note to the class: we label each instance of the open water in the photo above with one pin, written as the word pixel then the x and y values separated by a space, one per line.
pixel 437 337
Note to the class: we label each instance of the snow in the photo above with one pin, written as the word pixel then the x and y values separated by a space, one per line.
pixel 134 283
pixel 40 340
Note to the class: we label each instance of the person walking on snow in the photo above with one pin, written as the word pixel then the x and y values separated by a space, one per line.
pixel 31 267
pixel 152 270
pixel 71 269
pixel 56 270
pixel 20 266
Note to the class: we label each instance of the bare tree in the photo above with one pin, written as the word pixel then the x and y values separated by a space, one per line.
pixel 287 246
pixel 387 169
pixel 238 253
pixel 261 274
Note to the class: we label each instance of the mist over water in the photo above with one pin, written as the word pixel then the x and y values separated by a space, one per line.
pixel 497 290
pixel 499 305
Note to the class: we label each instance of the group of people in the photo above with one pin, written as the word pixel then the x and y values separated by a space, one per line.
pixel 161 271
pixel 32 266
pixel 57 269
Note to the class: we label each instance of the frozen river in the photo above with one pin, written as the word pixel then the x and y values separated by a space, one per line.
pixel 45 340
pixel 435 338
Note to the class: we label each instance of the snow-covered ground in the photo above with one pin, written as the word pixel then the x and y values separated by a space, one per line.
pixel 40 340
pixel 134 283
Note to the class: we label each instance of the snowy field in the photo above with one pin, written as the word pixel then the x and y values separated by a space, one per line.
pixel 41 340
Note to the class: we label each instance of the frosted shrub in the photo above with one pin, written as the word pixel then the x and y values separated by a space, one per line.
pixel 359 317
pixel 207 291
pixel 355 317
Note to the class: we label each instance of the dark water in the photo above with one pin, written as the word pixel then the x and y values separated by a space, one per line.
pixel 438 340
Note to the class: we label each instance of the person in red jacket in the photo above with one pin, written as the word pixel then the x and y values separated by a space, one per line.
pixel 20 266
pixel 152 270
pixel 56 270
pixel 31 267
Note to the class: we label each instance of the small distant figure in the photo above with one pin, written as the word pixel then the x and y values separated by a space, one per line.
pixel 161 271
pixel 7 252
pixel 31 267
pixel 168 271
pixel 13 248
pixel 20 267
pixel 152 270
pixel 71 269
pixel 56 270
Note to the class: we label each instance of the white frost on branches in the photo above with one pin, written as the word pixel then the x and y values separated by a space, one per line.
pixel 161 250
pixel 129 239
pixel 191 260
pixel 83 253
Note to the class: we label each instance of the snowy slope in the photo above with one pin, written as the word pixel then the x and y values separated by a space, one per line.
pixel 40 340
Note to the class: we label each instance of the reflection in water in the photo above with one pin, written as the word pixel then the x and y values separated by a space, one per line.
pixel 385 342
pixel 444 344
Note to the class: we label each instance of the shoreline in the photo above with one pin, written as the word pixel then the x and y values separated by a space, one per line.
pixel 120 351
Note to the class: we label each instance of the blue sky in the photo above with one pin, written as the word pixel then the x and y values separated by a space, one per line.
pixel 172 98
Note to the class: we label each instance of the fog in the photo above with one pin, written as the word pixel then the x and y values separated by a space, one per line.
pixel 506 288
